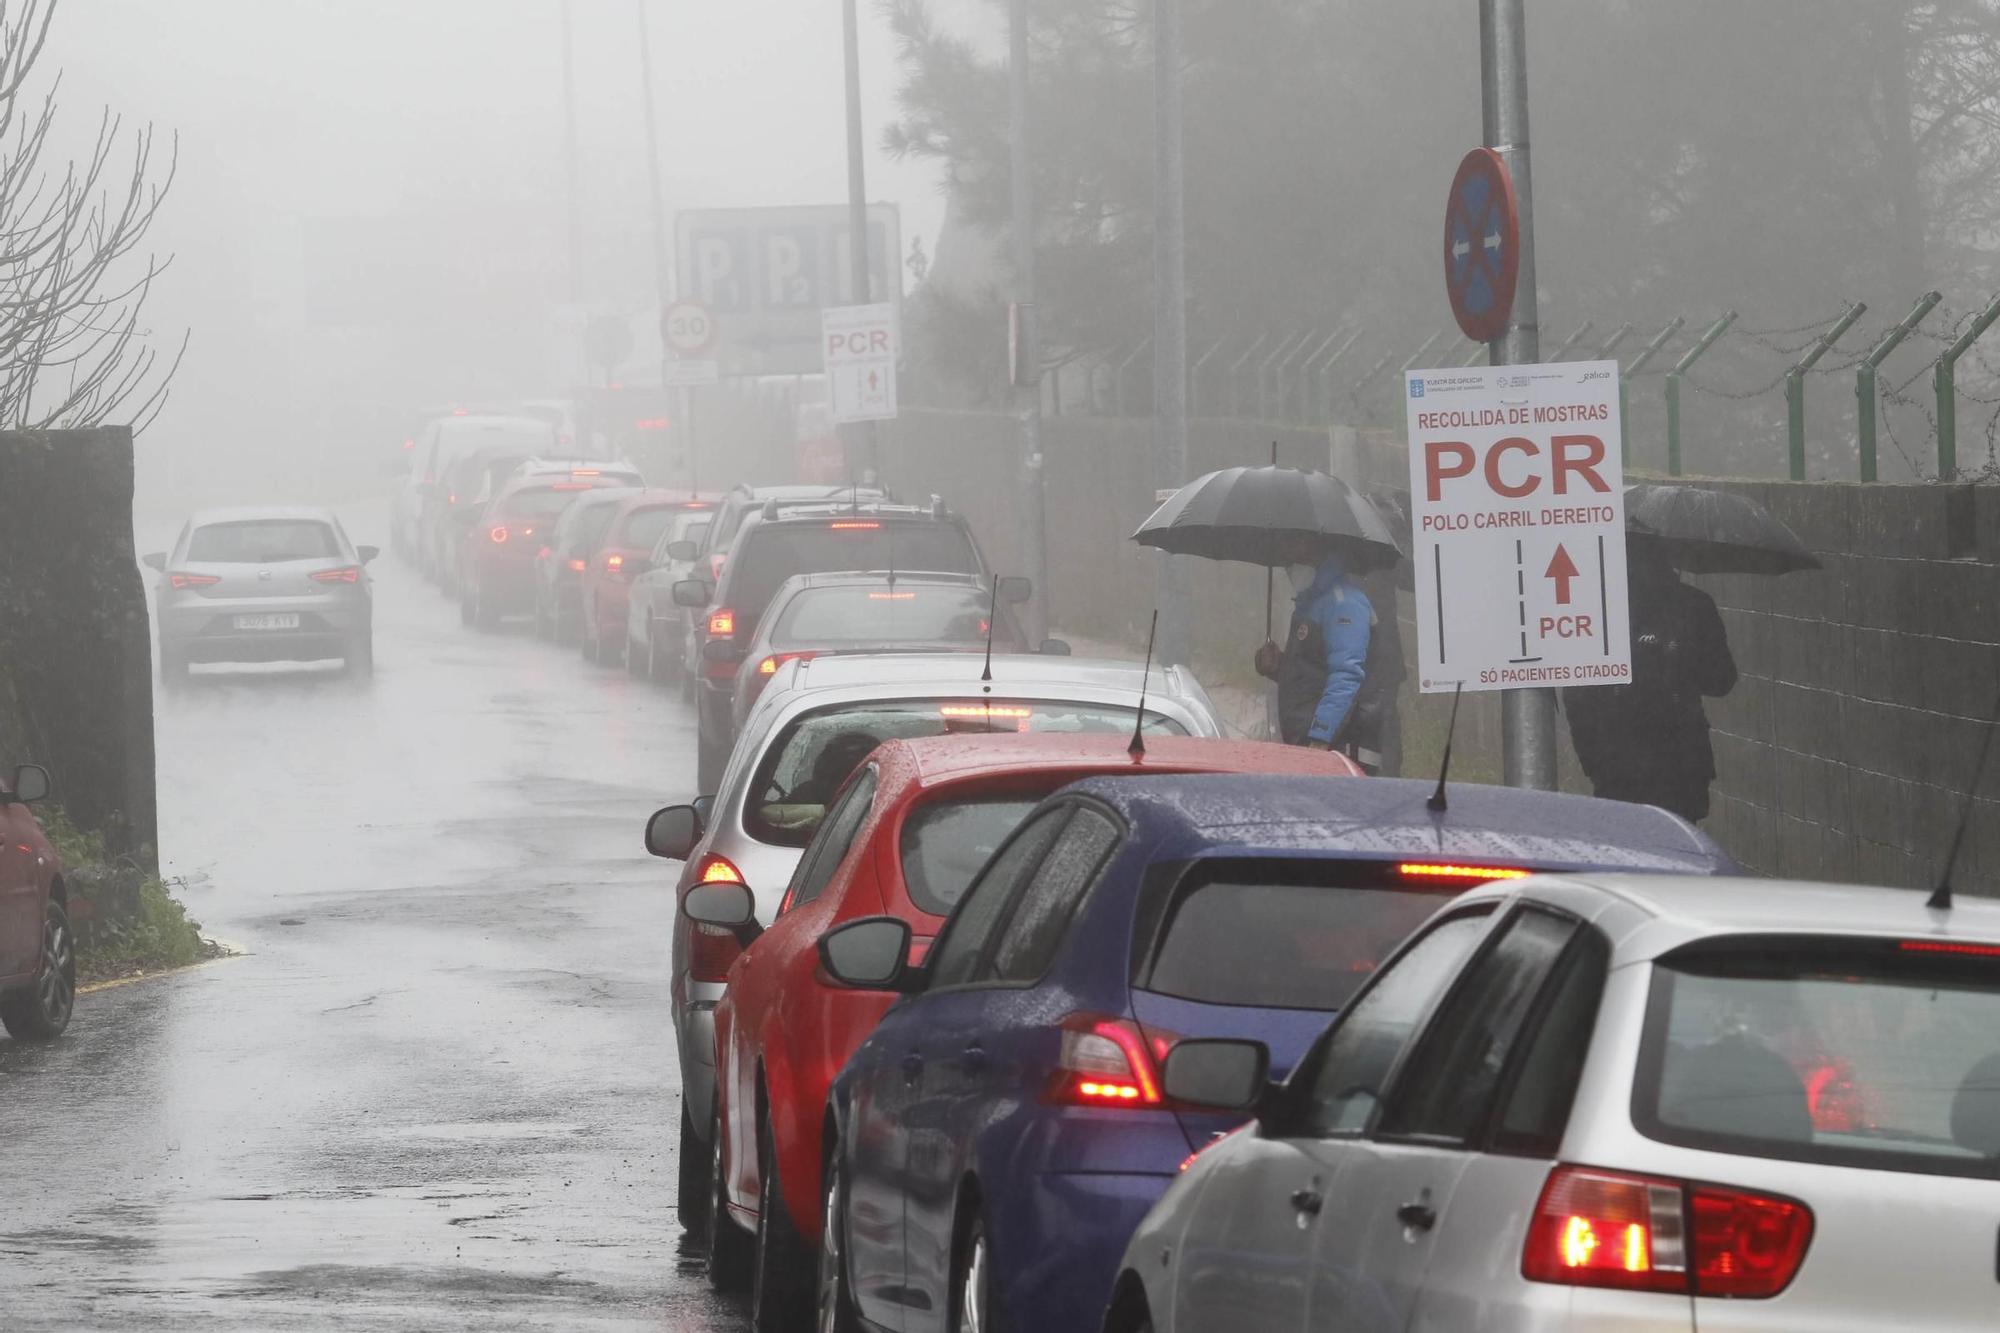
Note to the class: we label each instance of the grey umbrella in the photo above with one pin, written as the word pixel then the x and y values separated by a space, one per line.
pixel 1712 532
pixel 1262 515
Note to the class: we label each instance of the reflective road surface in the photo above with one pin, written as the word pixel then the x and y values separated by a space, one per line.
pixel 437 1091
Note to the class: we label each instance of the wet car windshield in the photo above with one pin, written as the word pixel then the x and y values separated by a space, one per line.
pixel 806 765
pixel 262 542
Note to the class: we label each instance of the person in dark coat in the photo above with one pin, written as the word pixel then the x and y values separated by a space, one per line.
pixel 1647 742
pixel 1323 670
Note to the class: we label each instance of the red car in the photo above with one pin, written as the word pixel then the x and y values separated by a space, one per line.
pixel 37 952
pixel 908 833
pixel 496 556
pixel 623 555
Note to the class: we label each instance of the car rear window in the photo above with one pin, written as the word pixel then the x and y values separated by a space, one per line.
pixel 809 760
pixel 1880 1053
pixel 545 501
pixel 264 541
pixel 1281 935
pixel 862 615
pixel 771 553
pixel 644 526
pixel 947 842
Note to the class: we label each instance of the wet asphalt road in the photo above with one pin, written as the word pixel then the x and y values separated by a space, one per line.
pixel 437 1092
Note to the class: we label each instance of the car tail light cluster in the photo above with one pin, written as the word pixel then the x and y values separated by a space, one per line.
pixel 345 574
pixel 1107 1062
pixel 498 534
pixel 577 566
pixel 614 565
pixel 769 666
pixel 1642 1233
pixel 179 580
pixel 722 624
pixel 712 949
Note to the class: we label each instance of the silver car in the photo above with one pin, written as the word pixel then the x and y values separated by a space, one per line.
pixel 1612 1103
pixel 264 584
pixel 816 721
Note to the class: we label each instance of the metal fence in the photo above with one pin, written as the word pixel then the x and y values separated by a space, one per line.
pixel 1681 376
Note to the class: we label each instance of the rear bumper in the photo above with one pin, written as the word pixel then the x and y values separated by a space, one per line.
pixel 507 585
pixel 327 626
pixel 1056 1252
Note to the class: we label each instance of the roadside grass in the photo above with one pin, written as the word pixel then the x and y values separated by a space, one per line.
pixel 137 925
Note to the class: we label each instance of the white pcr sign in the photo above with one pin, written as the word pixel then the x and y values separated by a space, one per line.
pixel 859 343
pixel 1517 514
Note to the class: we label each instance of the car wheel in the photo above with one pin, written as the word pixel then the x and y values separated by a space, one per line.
pixel 360 657
pixel 835 1307
pixel 693 1200
pixel 729 1245
pixel 173 668
pixel 970 1308
pixel 41 1010
pixel 781 1293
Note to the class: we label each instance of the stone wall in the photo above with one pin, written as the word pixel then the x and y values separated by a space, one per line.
pixel 76 691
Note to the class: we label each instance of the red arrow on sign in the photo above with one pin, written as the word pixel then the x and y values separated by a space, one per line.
pixel 875 382
pixel 1562 569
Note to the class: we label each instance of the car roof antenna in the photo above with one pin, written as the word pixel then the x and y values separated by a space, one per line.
pixel 992 618
pixel 1940 899
pixel 1437 803
pixel 1137 749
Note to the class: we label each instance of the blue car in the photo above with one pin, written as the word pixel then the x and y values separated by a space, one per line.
pixel 995 1142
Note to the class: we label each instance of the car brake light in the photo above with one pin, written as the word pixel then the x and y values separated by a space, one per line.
pixel 1429 870
pixel 345 574
pixel 769 666
pixel 722 624
pixel 718 870
pixel 892 597
pixel 579 566
pixel 852 526
pixel 695 504
pixel 1952 947
pixel 1596 1228
pixel 498 534
pixel 585 472
pixel 1104 1062
pixel 614 564
pixel 194 580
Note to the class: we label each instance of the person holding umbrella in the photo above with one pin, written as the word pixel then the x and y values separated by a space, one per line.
pixel 1648 741
pixel 1336 682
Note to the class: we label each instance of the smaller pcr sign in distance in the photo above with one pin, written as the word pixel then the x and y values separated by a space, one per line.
pixel 859 346
pixel 1517 518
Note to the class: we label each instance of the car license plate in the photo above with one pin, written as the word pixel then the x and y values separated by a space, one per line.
pixel 269 620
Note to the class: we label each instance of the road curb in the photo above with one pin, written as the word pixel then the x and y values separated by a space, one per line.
pixel 235 952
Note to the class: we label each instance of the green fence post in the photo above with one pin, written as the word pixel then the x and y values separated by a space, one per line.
pixel 1582 332
pixel 1651 350
pixel 1946 378
pixel 1611 345
pixel 1795 388
pixel 1871 365
pixel 1674 377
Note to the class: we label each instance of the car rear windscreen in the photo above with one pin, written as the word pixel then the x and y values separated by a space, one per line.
pixel 644 526
pixel 809 760
pixel 863 615
pixel 1280 934
pixel 1874 1053
pixel 544 501
pixel 263 541
pixel 772 553
pixel 946 843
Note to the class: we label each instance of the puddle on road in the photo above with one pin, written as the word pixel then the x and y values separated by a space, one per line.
pixel 482 1129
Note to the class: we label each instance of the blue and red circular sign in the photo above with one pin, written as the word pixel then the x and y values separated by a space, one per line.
pixel 1482 245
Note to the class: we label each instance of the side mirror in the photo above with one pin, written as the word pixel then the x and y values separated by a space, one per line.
pixel 730 906
pixel 1221 1075
pixel 154 560
pixel 30 784
pixel 682 550
pixel 367 553
pixel 1055 648
pixel 870 954
pixel 721 651
pixel 691 593
pixel 673 832
pixel 1014 591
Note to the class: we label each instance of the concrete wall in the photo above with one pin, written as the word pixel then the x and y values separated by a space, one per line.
pixel 1845 752
pixel 76 691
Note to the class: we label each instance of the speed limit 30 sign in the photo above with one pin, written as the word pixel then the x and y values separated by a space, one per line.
pixel 687 328
pixel 1517 511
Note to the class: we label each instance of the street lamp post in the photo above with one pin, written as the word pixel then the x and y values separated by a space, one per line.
pixel 1169 312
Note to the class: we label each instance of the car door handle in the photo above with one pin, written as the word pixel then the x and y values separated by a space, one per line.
pixel 1417 1216
pixel 1308 1201
pixel 913 1066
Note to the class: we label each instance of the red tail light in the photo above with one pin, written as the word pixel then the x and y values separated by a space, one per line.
pixel 852 526
pixel 1449 871
pixel 769 666
pixel 722 624
pixel 614 565
pixel 544 553
pixel 1104 1062
pixel 498 534
pixel 345 574
pixel 1642 1233
pixel 194 580
pixel 719 870
pixel 578 566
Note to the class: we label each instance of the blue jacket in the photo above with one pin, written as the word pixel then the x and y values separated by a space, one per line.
pixel 1325 658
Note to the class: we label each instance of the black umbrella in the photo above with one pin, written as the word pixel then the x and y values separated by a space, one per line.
pixel 1264 515
pixel 1713 532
